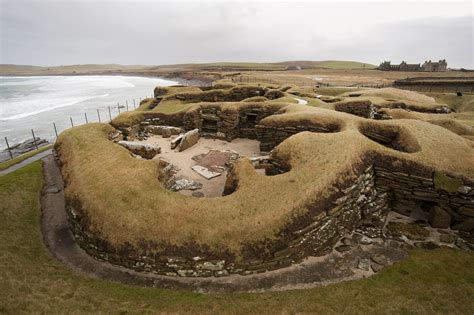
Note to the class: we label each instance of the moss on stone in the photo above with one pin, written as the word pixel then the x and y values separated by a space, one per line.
pixel 444 182
pixel 410 230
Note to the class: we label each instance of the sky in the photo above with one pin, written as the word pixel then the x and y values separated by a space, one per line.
pixel 151 32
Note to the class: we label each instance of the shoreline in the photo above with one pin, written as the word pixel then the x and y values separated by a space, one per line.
pixel 8 132
pixel 179 80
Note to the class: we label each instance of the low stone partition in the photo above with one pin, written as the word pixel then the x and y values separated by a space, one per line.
pixel 359 108
pixel 361 203
pixel 363 108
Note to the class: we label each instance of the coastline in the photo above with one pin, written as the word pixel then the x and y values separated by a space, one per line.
pixel 18 131
pixel 197 81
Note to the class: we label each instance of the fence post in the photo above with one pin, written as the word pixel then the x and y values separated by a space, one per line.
pixel 110 114
pixel 34 139
pixel 72 124
pixel 55 130
pixel 126 102
pixel 98 114
pixel 118 107
pixel 8 148
pixel 134 107
pixel 85 115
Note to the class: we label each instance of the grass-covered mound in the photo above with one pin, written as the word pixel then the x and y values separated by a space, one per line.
pixel 119 199
pixel 396 98
pixel 32 281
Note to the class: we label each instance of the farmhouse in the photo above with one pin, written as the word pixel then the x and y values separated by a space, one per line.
pixel 427 66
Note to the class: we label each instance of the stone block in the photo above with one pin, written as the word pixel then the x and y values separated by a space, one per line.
pixel 189 139
pixel 439 218
pixel 145 150
pixel 466 211
pixel 466 226
pixel 166 133
pixel 205 172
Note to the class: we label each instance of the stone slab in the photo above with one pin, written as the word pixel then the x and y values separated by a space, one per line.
pixel 205 172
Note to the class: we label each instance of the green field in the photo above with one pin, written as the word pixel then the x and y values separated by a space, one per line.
pixel 439 281
pixel 341 64
pixel 20 158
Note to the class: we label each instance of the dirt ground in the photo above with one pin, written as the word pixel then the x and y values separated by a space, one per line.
pixel 213 187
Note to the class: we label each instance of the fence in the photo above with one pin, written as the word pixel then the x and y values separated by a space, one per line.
pixel 256 78
pixel 98 116
pixel 373 86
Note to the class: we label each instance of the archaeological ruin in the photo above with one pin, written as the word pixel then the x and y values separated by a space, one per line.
pixel 244 179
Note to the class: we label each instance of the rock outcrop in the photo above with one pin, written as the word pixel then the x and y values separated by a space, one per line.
pixel 23 147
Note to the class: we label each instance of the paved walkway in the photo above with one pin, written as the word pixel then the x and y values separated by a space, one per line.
pixel 29 160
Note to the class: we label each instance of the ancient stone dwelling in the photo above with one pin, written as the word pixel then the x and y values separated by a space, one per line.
pixel 392 182
pixel 427 66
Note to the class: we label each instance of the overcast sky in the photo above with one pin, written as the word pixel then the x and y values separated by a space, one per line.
pixel 46 32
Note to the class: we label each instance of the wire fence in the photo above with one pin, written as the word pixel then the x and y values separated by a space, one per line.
pixel 99 115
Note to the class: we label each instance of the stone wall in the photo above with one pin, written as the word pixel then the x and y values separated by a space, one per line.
pixel 431 198
pixel 235 94
pixel 363 108
pixel 361 203
pixel 270 136
pixel 228 125
pixel 359 108
pixel 245 123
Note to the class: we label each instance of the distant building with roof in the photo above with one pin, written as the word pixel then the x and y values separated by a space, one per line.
pixel 441 65
pixel 428 66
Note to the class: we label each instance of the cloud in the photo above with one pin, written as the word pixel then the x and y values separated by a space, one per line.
pixel 150 32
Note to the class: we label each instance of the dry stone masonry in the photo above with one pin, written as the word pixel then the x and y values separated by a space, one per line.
pixel 443 201
pixel 362 207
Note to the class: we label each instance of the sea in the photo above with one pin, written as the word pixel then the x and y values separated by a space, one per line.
pixel 35 103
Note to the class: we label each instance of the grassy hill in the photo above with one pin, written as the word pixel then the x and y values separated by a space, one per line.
pixel 341 64
pixel 10 69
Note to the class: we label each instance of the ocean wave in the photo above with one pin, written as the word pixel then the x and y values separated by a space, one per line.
pixel 42 110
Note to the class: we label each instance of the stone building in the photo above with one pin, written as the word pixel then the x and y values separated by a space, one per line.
pixel 428 66
pixel 403 66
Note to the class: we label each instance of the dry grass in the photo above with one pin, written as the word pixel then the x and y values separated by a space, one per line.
pixel 463 103
pixel 390 97
pixel 439 281
pixel 170 106
pixel 396 94
pixel 135 205
pixel 461 124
